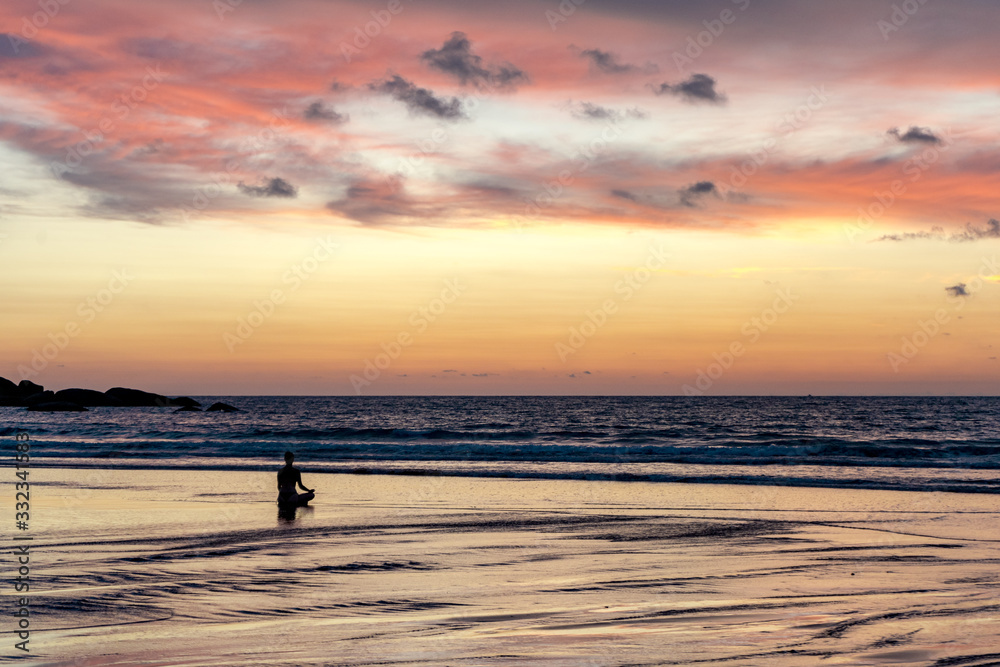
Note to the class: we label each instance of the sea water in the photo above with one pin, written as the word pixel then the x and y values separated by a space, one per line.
pixel 903 443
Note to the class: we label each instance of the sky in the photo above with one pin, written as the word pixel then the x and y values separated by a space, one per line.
pixel 225 197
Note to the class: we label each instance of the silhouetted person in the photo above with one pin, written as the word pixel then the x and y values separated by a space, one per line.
pixel 288 477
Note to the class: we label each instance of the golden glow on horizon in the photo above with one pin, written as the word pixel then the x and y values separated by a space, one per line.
pixel 515 312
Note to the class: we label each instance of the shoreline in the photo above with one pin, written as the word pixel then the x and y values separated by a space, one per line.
pixel 917 479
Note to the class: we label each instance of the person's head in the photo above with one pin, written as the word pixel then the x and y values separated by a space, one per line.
pixel 289 457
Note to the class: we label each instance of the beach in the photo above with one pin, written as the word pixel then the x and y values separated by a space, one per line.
pixel 571 333
pixel 195 567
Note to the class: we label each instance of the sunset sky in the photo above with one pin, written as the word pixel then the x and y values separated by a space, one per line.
pixel 519 197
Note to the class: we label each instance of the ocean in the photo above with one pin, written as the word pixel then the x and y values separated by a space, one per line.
pixel 512 531
pixel 894 443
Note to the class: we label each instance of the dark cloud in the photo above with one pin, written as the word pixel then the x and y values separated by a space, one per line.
pixel 692 194
pixel 455 57
pixel 122 188
pixel 696 88
pixel 384 199
pixel 318 111
pixel 15 46
pixel 661 199
pixel 915 135
pixel 272 187
pixel 122 180
pixel 419 100
pixel 589 111
pixel 936 234
pixel 593 112
pixel 155 147
pixel 123 208
pixel 970 233
pixel 701 187
pixel 957 290
pixel 378 201
pixel 607 62
pixel 372 201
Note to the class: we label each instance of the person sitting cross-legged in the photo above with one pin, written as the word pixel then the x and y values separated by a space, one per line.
pixel 288 477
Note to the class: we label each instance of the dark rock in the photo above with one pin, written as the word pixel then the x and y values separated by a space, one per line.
pixel 135 398
pixel 88 397
pixel 8 388
pixel 41 397
pixel 28 388
pixel 9 393
pixel 188 408
pixel 57 406
pixel 222 407
pixel 28 393
pixel 185 402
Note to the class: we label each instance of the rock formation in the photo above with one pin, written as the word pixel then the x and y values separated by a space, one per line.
pixel 221 407
pixel 35 397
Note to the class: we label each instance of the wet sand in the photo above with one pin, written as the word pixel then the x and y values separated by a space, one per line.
pixel 165 567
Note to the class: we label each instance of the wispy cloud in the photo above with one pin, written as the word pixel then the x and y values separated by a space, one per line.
pixel 625 194
pixel 970 233
pixel 224 81
pixel 384 200
pixel 608 63
pixel 591 111
pixel 15 46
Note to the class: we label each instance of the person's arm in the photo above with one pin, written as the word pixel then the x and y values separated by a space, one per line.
pixel 302 486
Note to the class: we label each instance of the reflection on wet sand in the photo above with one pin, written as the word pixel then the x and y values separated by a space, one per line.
pixel 290 512
pixel 526 572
